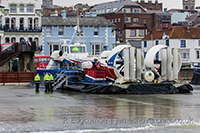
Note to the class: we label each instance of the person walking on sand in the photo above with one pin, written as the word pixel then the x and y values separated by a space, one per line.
pixel 46 82
pixel 37 83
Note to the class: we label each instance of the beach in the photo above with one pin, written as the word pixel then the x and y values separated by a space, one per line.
pixel 23 110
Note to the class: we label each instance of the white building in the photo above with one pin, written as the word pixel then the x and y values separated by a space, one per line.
pixel 179 17
pixel 185 39
pixel 21 19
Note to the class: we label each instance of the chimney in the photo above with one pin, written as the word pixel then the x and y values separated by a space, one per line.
pixel 63 14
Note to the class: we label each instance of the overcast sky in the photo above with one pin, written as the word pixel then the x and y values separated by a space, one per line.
pixel 166 3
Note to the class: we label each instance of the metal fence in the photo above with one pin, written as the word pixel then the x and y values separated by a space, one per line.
pixel 16 77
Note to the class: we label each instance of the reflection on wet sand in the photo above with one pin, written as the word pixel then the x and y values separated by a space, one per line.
pixel 63 111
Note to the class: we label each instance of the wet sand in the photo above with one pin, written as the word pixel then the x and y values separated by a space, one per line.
pixel 23 110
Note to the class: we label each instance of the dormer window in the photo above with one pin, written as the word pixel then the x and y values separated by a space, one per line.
pixel 126 10
pixel 136 10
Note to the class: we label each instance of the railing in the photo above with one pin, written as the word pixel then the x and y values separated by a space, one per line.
pixel 16 77
pixel 16 29
pixel 14 50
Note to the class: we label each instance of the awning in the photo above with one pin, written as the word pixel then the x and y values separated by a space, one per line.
pixel 100 43
pixel 55 43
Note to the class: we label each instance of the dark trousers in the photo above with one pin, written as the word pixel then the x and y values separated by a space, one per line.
pixel 46 87
pixel 51 86
pixel 37 87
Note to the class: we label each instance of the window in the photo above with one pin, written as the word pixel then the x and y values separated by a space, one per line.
pixel 21 26
pixel 0 20
pixel 36 23
pixel 7 40
pixel 141 32
pixel 30 23
pixel 77 49
pixel 30 39
pixel 145 44
pixel 119 19
pixel 199 43
pixel 13 39
pixel 48 31
pixel 164 16
pixel 61 31
pixel 127 20
pixel 13 23
pixel 30 8
pixel 116 20
pixel 167 42
pixel 54 47
pixel 13 8
pixel 135 19
pixel 133 33
pixel 21 8
pixel 7 23
pixel 21 39
pixel 96 49
pixel 96 31
pixel 37 41
pixel 183 43
pixel 126 10
pixel 136 10
pixel 197 53
pixel 157 42
pixel 185 54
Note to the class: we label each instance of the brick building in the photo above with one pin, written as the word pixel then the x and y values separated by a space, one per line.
pixel 150 5
pixel 126 14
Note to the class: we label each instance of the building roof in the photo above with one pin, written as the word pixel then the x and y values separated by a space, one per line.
pixel 176 32
pixel 89 21
pixel 52 7
pixel 160 13
pixel 114 4
pixel 135 43
pixel 183 10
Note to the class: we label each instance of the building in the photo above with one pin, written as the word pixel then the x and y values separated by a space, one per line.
pixel 135 33
pixel 185 39
pixel 150 5
pixel 96 32
pixel 52 10
pixel 193 20
pixel 162 19
pixel 125 13
pixel 46 3
pixel 177 17
pixel 188 4
pixel 183 11
pixel 21 19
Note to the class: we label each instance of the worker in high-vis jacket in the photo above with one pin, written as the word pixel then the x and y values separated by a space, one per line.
pixel 37 82
pixel 46 82
pixel 51 82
